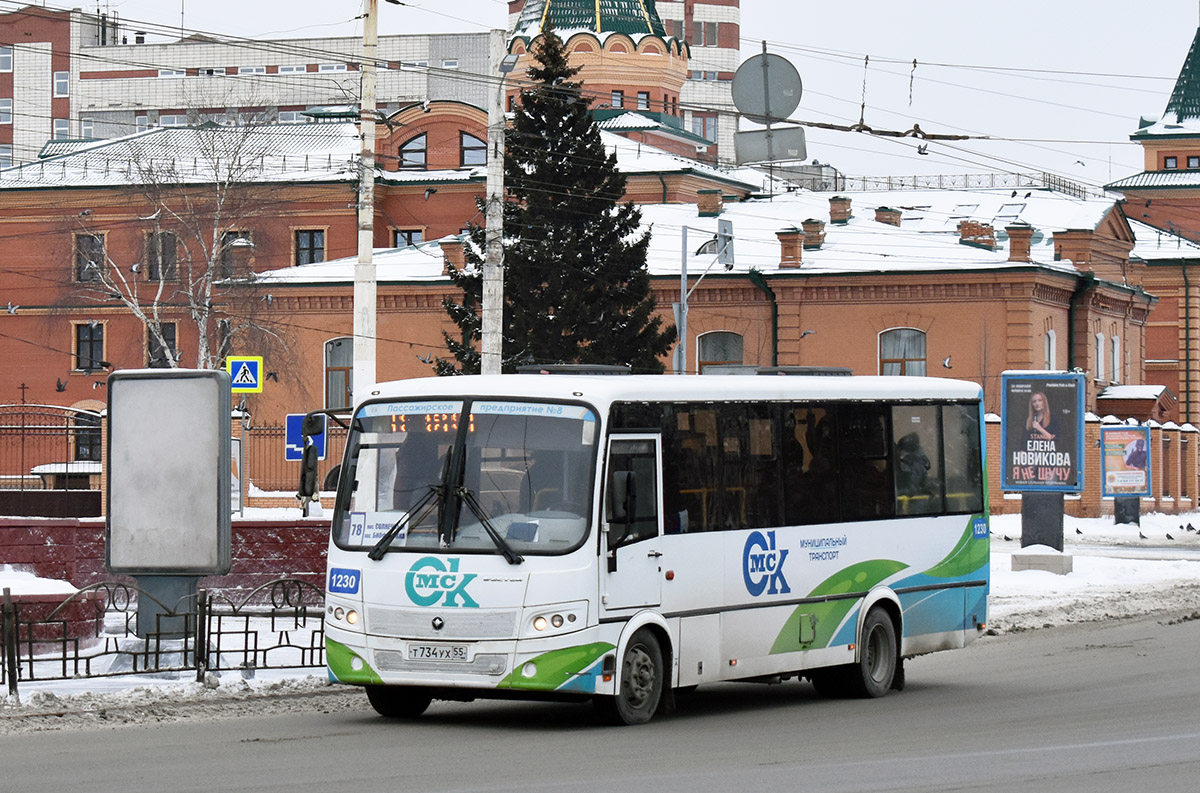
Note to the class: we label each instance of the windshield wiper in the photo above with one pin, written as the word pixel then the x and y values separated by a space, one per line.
pixel 468 498
pixel 428 502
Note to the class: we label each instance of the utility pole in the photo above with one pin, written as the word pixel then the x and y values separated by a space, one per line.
pixel 491 340
pixel 365 288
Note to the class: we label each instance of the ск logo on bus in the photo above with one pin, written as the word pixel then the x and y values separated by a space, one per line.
pixel 430 580
pixel 762 565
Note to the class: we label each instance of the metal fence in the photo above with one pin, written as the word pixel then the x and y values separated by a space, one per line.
pixel 968 182
pixel 268 469
pixel 279 625
pixel 50 461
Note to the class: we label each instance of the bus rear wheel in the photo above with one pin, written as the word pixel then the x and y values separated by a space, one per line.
pixel 641 682
pixel 877 670
pixel 878 658
pixel 398 702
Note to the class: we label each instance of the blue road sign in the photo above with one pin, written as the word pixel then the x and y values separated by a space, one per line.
pixel 293 448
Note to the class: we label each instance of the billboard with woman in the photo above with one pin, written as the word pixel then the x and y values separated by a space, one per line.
pixel 1042 429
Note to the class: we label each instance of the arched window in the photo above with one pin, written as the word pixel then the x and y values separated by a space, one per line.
pixel 1100 355
pixel 412 153
pixel 1049 342
pixel 87 436
pixel 472 150
pixel 902 351
pixel 339 364
pixel 1116 367
pixel 720 348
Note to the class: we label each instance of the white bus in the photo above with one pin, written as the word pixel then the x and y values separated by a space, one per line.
pixel 622 538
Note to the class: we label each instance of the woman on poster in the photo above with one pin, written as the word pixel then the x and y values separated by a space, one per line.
pixel 1040 425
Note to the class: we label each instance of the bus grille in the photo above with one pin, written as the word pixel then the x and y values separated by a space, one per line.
pixel 455 623
pixel 483 664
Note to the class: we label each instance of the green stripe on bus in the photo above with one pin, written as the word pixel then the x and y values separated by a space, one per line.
pixel 968 555
pixel 339 657
pixel 829 614
pixel 556 668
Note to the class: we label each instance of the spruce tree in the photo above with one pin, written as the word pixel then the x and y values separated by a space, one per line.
pixel 576 286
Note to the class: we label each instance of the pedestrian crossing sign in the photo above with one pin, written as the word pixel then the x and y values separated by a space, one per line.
pixel 245 373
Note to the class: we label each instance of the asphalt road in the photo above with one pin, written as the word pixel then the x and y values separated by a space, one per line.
pixel 1087 708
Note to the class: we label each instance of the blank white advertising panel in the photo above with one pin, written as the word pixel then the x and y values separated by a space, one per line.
pixel 168 472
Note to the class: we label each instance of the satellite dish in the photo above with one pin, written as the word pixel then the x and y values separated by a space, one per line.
pixel 767 88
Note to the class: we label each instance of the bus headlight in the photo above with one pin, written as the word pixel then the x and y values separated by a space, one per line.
pixel 553 620
pixel 342 616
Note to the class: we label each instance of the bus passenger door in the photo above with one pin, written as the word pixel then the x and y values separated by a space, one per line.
pixel 632 567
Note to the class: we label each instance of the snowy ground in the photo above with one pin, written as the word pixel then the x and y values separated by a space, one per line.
pixel 1119 571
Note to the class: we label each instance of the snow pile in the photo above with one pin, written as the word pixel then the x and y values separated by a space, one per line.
pixel 23 583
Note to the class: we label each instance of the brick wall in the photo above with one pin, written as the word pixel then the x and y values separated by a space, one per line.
pixel 1180 474
pixel 73 550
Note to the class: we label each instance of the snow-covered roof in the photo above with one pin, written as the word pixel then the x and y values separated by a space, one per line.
pixel 1169 126
pixel 927 242
pixel 73 467
pixel 637 122
pixel 634 157
pixel 628 121
pixel 420 262
pixel 927 239
pixel 198 155
pixel 632 17
pixel 1154 244
pixel 1180 178
pixel 1132 392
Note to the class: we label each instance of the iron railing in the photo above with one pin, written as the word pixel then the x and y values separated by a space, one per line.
pixel 279 625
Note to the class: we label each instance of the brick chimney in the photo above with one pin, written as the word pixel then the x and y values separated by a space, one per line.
pixel 887 215
pixel 980 235
pixel 709 203
pixel 814 233
pixel 839 209
pixel 1020 241
pixel 452 254
pixel 1076 245
pixel 791 244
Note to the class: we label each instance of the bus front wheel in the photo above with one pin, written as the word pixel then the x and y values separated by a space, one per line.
pixel 641 682
pixel 398 702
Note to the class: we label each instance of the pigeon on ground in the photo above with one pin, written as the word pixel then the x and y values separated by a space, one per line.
pixel 1007 538
pixel 1169 537
pixel 1077 531
pixel 1141 536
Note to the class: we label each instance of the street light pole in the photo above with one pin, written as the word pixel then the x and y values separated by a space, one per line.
pixel 365 290
pixel 491 340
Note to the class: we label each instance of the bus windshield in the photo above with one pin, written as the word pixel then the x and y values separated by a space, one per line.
pixel 483 475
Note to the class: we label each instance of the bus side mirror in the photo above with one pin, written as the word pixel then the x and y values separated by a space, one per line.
pixel 308 473
pixel 313 424
pixel 622 506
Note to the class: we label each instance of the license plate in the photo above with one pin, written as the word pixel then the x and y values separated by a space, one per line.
pixel 437 652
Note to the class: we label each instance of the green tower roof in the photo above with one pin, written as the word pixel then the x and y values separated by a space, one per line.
pixel 1185 99
pixel 600 16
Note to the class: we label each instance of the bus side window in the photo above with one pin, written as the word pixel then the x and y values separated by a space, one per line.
pixel 963 467
pixel 917 459
pixel 749 466
pixel 690 475
pixel 863 451
pixel 810 465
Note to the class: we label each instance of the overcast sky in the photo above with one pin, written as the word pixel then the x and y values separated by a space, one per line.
pixel 994 69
